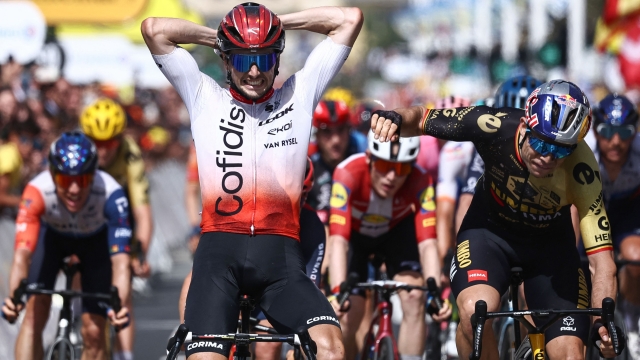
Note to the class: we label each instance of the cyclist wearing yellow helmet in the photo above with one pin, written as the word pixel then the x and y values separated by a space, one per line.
pixel 104 121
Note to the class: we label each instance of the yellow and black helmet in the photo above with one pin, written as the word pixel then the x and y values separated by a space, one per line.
pixel 103 120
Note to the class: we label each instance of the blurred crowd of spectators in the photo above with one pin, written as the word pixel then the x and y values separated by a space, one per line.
pixel 33 114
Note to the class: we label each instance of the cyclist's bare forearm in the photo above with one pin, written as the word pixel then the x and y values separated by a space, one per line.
pixel 430 259
pixel 341 24
pixel 121 274
pixel 191 195
pixel 603 277
pixel 19 268
pixel 163 34
pixel 338 263
pixel 144 225
pixel 445 208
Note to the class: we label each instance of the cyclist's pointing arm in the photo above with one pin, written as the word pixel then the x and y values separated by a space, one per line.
pixel 458 124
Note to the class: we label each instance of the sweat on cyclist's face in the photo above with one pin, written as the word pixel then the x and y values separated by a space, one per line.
pixel 333 142
pixel 73 191
pixel 538 165
pixel 255 81
pixel 107 151
pixel 615 149
pixel 387 182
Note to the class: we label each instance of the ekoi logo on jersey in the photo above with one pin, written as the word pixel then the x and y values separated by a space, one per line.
pixel 232 181
pixel 339 196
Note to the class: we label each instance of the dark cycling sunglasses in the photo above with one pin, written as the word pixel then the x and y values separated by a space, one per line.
pixel 544 148
pixel 607 131
pixel 243 62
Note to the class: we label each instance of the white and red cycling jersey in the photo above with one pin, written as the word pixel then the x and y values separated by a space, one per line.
pixel 355 206
pixel 454 161
pixel 252 155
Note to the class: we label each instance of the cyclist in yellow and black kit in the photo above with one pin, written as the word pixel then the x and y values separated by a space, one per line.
pixel 536 166
pixel 104 122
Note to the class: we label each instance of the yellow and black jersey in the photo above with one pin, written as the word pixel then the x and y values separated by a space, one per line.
pixel 507 196
pixel 128 170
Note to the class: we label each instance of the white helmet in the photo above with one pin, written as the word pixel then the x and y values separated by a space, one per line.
pixel 407 151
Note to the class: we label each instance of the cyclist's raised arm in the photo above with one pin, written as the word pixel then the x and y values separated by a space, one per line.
pixel 341 24
pixel 585 190
pixel 162 35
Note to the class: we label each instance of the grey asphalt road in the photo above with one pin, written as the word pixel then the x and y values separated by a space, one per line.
pixel 157 311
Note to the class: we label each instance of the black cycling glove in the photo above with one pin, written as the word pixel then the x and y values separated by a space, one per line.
pixel 390 115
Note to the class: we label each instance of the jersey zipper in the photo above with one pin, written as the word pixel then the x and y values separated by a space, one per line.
pixel 253 159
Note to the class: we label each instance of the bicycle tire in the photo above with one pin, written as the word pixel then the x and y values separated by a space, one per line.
pixel 524 351
pixel 61 349
pixel 369 347
pixel 385 350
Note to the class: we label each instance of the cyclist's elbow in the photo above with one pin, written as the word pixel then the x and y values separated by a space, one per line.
pixel 150 28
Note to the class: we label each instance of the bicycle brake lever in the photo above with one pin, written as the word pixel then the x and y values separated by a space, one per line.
pixel 435 292
pixel 480 317
pixel 608 309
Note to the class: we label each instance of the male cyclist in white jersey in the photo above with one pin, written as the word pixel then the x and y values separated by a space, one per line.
pixel 251 146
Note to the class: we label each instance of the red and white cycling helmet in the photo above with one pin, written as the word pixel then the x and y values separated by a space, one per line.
pixel 250 26
pixel 331 113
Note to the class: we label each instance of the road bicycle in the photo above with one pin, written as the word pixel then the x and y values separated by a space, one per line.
pixel 63 348
pixel 533 347
pixel 243 339
pixel 380 343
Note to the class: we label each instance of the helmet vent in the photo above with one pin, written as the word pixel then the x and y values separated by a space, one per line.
pixel 555 114
pixel 570 119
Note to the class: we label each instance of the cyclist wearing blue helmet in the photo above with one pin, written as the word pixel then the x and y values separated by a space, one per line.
pixel 536 167
pixel 70 209
pixel 618 154
pixel 515 91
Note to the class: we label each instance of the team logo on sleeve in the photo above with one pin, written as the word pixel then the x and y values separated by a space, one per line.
pixel 427 202
pixel 339 196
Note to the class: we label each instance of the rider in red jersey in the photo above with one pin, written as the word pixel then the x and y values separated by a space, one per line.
pixel 383 204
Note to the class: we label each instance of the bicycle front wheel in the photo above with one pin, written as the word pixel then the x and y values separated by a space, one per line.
pixel 524 351
pixel 385 350
pixel 62 349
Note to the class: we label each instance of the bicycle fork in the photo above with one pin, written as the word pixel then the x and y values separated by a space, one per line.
pixel 382 319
